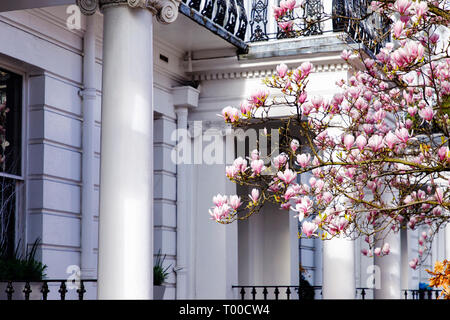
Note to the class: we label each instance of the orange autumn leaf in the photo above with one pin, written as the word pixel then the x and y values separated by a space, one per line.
pixel 441 278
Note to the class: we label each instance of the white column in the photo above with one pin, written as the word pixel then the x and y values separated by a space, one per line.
pixel 294 250
pixel 405 269
pixel 182 219
pixel 389 269
pixel 125 269
pixel 338 269
pixel 88 259
pixel 447 242
pixel 183 97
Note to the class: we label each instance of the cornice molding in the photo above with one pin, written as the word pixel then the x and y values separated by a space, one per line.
pixel 166 11
pixel 262 72
pixel 197 128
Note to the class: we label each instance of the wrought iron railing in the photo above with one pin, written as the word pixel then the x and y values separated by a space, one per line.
pixel 228 15
pixel 315 292
pixel 26 290
pixel 421 294
pixel 313 21
pixel 278 292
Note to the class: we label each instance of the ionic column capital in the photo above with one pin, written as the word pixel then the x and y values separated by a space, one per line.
pixel 166 11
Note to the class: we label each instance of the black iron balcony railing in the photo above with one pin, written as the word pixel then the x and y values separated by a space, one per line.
pixel 278 292
pixel 346 16
pixel 40 290
pixel 315 292
pixel 226 18
pixel 421 294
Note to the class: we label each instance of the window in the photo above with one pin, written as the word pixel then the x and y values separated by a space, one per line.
pixel 10 157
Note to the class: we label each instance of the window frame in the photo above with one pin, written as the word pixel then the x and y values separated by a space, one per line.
pixel 20 219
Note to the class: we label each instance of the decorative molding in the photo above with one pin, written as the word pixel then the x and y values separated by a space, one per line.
pixel 166 11
pixel 87 7
pixel 261 73
pixel 198 128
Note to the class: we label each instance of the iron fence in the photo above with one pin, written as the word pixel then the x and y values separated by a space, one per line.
pixel 26 290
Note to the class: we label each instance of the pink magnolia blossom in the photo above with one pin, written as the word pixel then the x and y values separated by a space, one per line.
pixel 235 202
pixel 282 70
pixel 286 26
pixel 443 153
pixel 391 140
pixel 413 263
pixel 386 249
pixel 257 166
pixel 426 113
pixel 246 108
pixel 339 223
pixel 398 28
pixel 304 207
pixel 317 102
pixel 377 251
pixel 254 195
pixel 439 195
pixel 403 6
pixel 327 197
pixel 254 155
pixel 345 55
pixel 230 114
pixel 278 12
pixel 308 228
pixel 220 200
pixel 434 38
pixel 361 142
pixel 348 141
pixel 306 68
pixel 218 213
pixel 231 172
pixel 287 176
pixel 307 108
pixel 259 97
pixel 280 160
pixel 302 97
pixel 376 142
pixel 421 8
pixel 402 134
pixel 294 144
pixel 437 211
pixel 288 4
pixel 303 159
pixel 240 164
pixel 319 185
pixel 412 111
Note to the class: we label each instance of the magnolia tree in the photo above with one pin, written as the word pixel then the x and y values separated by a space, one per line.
pixel 377 151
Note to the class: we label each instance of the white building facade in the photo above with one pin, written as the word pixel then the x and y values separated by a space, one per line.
pixel 79 94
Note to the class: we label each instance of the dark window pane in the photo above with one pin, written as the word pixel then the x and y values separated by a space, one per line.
pixel 10 122
pixel 7 216
pixel 10 156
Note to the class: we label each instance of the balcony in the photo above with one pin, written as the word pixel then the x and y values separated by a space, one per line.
pixel 316 17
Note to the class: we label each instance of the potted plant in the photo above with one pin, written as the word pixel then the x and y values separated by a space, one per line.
pixel 20 269
pixel 160 274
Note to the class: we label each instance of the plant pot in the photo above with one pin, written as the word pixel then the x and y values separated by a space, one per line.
pixel 158 292
pixel 18 293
